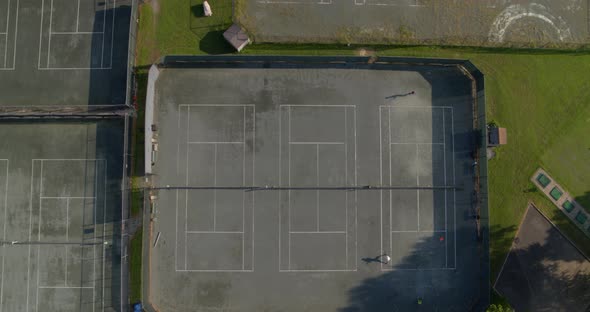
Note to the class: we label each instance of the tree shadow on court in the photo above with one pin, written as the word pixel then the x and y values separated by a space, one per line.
pixel 402 287
pixel 109 57
pixel 112 78
pixel 429 277
pixel 544 271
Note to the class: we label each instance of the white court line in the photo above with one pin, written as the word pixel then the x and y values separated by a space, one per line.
pixel 104 25
pixel 214 232
pixel 419 269
pixel 94 249
pixel 77 33
pixel 104 228
pixel 381 183
pixel 318 232
pixel 30 230
pixel 217 271
pixel 289 191
pixel 317 192
pixel 218 105
pixel 39 239
pixel 216 143
pixel 112 38
pixel 422 107
pixel 454 181
pixel 68 159
pixel 6 37
pixel 280 180
pixel 67 197
pixel 318 270
pixel 49 33
pixel 67 237
pixel 68 287
pixel 244 193
pixel 317 143
pixel 4 233
pixel 78 16
pixel 176 233
pixel 445 183
pixel 345 183
pixel 253 176
pixel 397 5
pixel 243 143
pixel 312 105
pixel 417 190
pixel 188 125
pixel 390 182
pixel 415 143
pixel 214 184
pixel 420 231
pixel 355 198
pixel 15 36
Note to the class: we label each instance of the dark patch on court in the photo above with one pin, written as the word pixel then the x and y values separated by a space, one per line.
pixel 544 271
pixel 64 53
pixel 265 168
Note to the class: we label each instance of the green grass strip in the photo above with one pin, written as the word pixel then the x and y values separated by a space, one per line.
pixel 135 255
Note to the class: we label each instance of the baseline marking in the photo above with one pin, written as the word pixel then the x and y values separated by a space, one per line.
pixel 4 233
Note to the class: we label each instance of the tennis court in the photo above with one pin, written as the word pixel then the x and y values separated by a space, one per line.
pixel 63 53
pixel 61 180
pixel 61 208
pixel 455 22
pixel 295 181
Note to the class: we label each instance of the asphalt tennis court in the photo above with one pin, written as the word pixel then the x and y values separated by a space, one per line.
pixel 63 53
pixel 544 270
pixel 268 183
pixel 455 22
pixel 61 209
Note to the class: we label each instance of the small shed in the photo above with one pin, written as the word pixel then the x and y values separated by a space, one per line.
pixel 497 136
pixel 237 37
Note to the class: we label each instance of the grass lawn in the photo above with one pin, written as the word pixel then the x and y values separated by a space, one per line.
pixel 135 247
pixel 540 96
pixel 568 157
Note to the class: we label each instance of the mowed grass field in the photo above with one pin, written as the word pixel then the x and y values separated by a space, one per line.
pixel 542 97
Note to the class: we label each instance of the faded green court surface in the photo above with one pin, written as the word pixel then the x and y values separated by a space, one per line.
pixel 312 140
pixel 63 53
pixel 60 198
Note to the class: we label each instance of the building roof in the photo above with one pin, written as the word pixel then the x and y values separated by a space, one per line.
pixel 236 36
pixel 497 136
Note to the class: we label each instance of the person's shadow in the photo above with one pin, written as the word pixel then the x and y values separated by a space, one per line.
pixel 378 259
